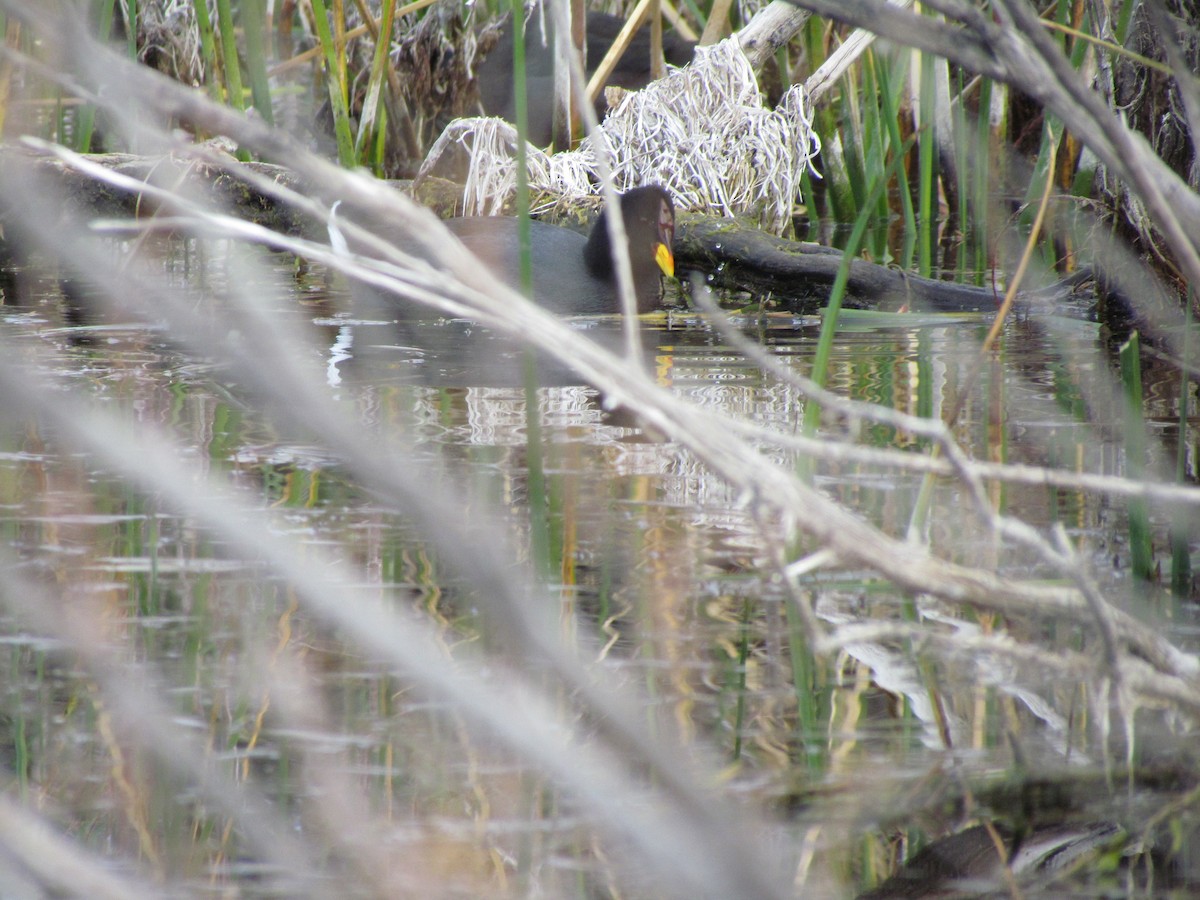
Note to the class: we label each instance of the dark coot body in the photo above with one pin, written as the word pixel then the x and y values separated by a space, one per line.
pixel 574 274
pixel 494 73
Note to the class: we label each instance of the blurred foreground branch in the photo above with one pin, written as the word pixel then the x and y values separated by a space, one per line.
pixel 528 688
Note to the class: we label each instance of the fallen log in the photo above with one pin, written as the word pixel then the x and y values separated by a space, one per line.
pixel 211 182
pixel 799 275
pixel 796 275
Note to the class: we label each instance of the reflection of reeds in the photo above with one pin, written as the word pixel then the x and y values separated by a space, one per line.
pixel 1180 533
pixel 1140 550
pixel 529 732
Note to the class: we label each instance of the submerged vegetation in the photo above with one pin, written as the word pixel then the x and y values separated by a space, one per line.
pixel 280 619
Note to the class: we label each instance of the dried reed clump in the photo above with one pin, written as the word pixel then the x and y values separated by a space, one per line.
pixel 434 61
pixel 489 146
pixel 168 38
pixel 701 131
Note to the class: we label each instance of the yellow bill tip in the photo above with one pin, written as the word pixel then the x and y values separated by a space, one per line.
pixel 665 260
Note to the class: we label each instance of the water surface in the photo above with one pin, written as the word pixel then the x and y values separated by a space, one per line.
pixel 660 570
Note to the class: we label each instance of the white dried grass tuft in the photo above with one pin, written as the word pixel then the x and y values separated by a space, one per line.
pixel 702 132
pixel 491 175
pixel 168 34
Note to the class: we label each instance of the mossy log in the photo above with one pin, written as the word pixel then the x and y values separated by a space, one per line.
pixel 799 275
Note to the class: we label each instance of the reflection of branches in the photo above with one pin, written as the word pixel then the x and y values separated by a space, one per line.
pixel 1055 663
pixel 267 366
pixel 1060 554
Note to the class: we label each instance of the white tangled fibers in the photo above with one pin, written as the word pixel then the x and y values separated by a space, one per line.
pixel 701 132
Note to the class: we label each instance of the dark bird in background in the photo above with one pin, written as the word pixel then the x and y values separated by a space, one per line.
pixel 494 73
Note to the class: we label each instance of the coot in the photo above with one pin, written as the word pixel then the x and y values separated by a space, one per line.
pixel 574 274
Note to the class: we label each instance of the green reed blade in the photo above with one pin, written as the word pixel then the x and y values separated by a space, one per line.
pixel 963 177
pixel 829 319
pixel 926 188
pixel 1141 551
pixel 131 31
pixel 852 139
pixel 235 96
pixel 252 16
pixel 208 51
pixel 538 521
pixel 85 122
pixel 1085 172
pixel 17 739
pixel 835 181
pixel 980 168
pixel 1124 18
pixel 785 75
pixel 379 146
pixel 561 525
pixel 373 111
pixel 834 169
pixel 874 154
pixel 743 659
pixel 11 38
pixel 700 15
pixel 336 81
pixel 832 312
pixel 1052 135
pixel 521 114
pixel 809 716
pixel 993 128
pixel 891 118
pixel 1181 556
